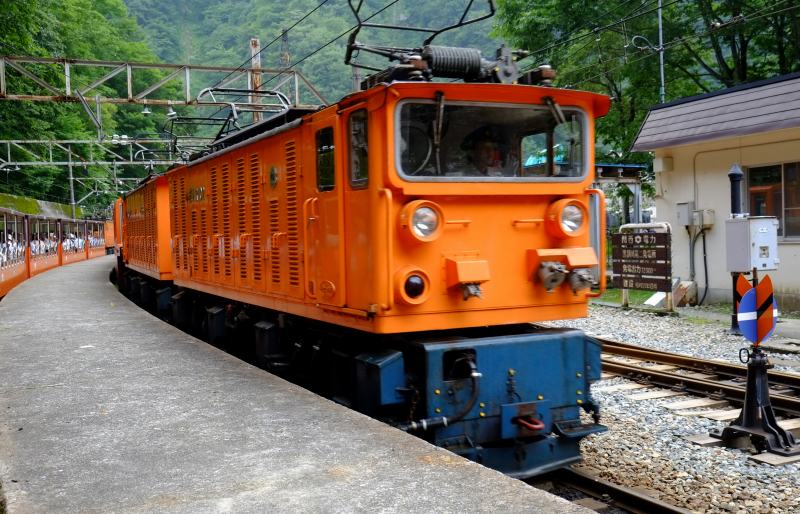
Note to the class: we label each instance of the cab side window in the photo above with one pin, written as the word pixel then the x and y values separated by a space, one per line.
pixel 326 178
pixel 359 162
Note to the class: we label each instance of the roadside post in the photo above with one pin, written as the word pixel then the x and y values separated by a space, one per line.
pixel 757 316
pixel 642 259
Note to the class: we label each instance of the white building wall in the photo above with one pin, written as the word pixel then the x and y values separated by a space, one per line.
pixel 700 174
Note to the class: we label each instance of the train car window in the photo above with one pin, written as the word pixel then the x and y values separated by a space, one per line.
pixel 482 142
pixel 359 162
pixel 12 247
pixel 326 176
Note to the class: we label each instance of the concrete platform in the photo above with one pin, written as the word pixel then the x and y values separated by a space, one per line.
pixel 103 408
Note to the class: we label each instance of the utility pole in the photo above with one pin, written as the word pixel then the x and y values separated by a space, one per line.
pixel 71 190
pixel 662 91
pixel 285 59
pixel 255 77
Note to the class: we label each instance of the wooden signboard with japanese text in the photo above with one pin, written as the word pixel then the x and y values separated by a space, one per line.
pixel 642 261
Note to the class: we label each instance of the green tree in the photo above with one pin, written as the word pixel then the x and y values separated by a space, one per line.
pixel 83 29
pixel 708 45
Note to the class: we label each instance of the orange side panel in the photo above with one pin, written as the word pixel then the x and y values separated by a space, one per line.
pixel 42 263
pixel 10 276
pixel 146 233
pixel 236 220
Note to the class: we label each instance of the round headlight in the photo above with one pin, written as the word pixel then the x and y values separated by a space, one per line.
pixel 566 218
pixel 571 218
pixel 424 222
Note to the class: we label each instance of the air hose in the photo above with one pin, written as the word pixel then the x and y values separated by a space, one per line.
pixel 442 421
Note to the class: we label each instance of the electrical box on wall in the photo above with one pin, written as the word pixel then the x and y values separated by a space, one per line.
pixel 752 242
pixel 683 212
pixel 703 218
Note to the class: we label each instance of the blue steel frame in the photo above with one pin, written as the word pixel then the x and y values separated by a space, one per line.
pixel 542 375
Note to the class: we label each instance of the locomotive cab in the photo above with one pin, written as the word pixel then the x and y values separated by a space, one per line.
pixel 464 205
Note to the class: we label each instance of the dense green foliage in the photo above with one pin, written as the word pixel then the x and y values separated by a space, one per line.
pixel 211 32
pixel 709 44
pixel 611 47
pixel 87 29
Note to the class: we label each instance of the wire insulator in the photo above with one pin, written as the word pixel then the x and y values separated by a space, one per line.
pixel 452 62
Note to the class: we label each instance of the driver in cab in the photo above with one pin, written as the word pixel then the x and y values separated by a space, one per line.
pixel 483 154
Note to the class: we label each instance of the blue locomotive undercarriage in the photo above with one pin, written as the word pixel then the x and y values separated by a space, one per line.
pixel 507 397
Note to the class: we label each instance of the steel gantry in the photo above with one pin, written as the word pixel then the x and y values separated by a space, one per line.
pixel 139 84
pixel 110 153
pixel 92 83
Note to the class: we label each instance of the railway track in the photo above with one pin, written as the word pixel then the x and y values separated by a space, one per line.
pixel 615 496
pixel 712 379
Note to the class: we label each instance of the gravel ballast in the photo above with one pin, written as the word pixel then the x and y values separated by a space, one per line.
pixel 646 447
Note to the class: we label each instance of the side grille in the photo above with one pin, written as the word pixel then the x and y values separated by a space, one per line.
pixel 215 221
pixel 274 228
pixel 225 191
pixel 255 209
pixel 293 235
pixel 241 212
pixel 175 208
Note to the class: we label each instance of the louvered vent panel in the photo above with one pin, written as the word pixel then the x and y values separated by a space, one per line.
pixel 274 228
pixel 225 191
pixel 150 215
pixel 202 243
pixel 194 251
pixel 255 209
pixel 175 208
pixel 241 217
pixel 293 236
pixel 215 220
pixel 183 235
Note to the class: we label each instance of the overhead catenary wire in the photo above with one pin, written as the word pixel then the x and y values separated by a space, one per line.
pixel 746 18
pixel 584 27
pixel 597 30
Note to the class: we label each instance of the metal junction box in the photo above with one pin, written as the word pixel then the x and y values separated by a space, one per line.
pixel 703 218
pixel 752 242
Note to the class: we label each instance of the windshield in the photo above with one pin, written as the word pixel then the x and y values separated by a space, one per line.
pixel 463 142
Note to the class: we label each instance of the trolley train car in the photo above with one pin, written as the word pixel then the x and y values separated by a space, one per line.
pixel 32 244
pixel 390 251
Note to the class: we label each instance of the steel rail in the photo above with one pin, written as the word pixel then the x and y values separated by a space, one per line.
pixel 723 369
pixel 621 496
pixel 788 405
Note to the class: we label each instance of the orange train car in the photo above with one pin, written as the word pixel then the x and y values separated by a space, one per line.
pixel 390 251
pixel 33 244
pixel 146 233
pixel 13 250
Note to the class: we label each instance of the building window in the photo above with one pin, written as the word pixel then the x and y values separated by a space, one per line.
pixel 775 191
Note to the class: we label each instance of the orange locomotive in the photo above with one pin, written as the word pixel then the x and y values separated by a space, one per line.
pixel 391 250
pixel 343 217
